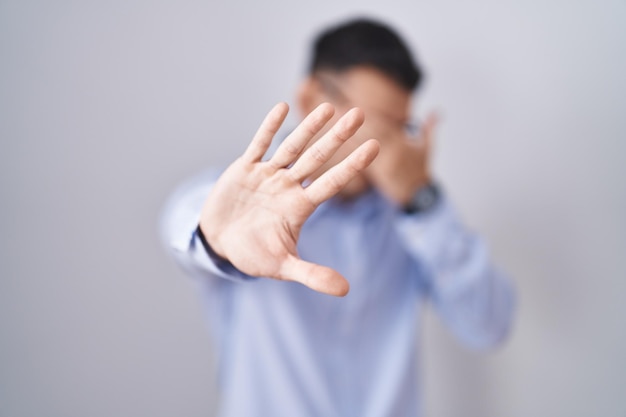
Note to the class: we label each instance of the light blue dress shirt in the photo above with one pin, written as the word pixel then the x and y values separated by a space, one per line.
pixel 285 350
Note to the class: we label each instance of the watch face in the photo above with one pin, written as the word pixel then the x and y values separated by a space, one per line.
pixel 424 199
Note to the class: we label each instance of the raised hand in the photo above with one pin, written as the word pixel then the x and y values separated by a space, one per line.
pixel 403 165
pixel 255 211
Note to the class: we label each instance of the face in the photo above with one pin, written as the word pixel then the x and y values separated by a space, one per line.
pixel 386 105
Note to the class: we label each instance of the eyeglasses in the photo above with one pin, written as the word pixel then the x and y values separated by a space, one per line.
pixel 411 128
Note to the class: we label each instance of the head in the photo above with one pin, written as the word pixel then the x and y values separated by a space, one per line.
pixel 362 63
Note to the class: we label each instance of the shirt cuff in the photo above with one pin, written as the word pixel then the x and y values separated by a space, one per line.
pixel 205 256
pixel 428 234
pixel 452 255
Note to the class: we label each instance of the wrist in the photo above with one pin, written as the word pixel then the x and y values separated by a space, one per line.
pixel 209 242
pixel 424 199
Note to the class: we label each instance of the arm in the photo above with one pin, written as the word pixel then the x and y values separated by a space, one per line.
pixel 473 298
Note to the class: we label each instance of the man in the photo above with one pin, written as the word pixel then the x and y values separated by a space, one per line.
pixel 342 214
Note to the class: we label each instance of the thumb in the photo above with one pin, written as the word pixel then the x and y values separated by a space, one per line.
pixel 316 277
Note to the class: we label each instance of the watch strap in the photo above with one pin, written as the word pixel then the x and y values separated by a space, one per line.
pixel 424 200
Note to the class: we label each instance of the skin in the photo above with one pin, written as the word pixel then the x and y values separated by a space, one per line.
pixel 255 211
pixel 403 165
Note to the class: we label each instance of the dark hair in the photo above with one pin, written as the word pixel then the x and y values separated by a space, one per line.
pixel 364 42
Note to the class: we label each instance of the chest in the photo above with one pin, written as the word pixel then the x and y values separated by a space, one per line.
pixel 367 251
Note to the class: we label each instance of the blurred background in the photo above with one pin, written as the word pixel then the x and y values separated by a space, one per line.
pixel 105 106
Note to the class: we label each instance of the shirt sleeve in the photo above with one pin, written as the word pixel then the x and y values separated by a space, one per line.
pixel 474 299
pixel 178 230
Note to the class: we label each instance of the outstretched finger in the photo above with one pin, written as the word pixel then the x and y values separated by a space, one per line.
pixel 428 132
pixel 322 150
pixel 333 180
pixel 317 277
pixel 264 135
pixel 295 143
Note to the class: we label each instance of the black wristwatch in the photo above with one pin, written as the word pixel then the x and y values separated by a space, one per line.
pixel 424 199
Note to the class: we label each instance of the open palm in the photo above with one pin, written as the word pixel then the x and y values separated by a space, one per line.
pixel 255 211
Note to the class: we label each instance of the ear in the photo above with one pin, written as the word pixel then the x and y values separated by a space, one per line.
pixel 309 95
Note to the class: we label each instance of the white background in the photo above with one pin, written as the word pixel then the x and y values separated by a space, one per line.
pixel 105 106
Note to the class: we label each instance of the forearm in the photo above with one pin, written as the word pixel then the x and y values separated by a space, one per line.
pixel 473 298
